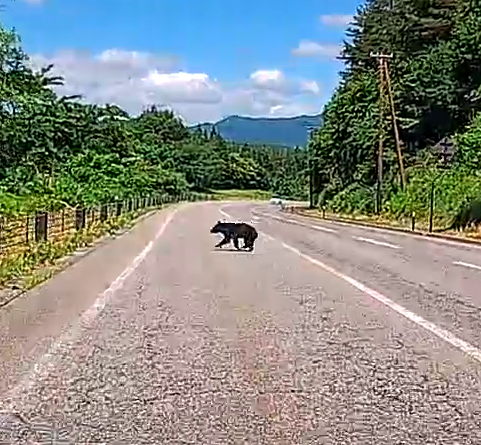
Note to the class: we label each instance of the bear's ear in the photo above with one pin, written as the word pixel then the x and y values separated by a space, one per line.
pixel 218 222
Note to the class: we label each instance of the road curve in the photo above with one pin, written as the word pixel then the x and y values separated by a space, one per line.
pixel 193 345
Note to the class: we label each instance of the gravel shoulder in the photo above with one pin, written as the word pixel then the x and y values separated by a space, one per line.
pixel 205 346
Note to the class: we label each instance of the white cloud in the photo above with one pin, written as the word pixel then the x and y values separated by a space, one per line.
pixel 183 87
pixel 292 109
pixel 336 19
pixel 276 81
pixel 134 80
pixel 308 48
pixel 310 85
pixel 270 79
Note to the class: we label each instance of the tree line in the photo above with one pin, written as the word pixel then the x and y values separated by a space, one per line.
pixel 436 85
pixel 59 151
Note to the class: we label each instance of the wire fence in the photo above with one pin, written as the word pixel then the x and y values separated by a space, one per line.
pixel 18 233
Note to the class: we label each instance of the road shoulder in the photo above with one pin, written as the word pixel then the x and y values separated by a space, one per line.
pixel 30 323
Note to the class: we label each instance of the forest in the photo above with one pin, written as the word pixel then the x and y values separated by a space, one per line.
pixel 59 151
pixel 435 77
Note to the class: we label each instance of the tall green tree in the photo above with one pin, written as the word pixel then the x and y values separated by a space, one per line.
pixel 436 84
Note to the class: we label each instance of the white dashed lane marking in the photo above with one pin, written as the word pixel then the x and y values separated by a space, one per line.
pixel 468 265
pixel 323 229
pixel 299 223
pixel 378 243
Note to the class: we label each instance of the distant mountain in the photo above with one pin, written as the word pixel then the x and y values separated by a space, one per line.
pixel 290 131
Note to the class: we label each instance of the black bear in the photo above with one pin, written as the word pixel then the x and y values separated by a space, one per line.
pixel 234 231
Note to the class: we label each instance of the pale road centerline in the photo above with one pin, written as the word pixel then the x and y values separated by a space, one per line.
pixel 469 265
pixel 291 221
pixel 378 243
pixel 439 332
pixel 47 362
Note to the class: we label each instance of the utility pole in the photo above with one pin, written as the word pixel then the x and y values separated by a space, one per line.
pixel 311 169
pixel 381 58
pixel 396 132
pixel 385 80
pixel 311 185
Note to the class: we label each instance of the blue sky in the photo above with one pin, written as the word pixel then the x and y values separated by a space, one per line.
pixel 205 59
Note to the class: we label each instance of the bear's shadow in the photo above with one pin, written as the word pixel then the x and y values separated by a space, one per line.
pixel 230 249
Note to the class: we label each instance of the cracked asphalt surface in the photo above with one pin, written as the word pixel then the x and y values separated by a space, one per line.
pixel 209 346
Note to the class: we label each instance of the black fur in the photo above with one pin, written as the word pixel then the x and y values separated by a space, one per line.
pixel 234 231
pixel 468 215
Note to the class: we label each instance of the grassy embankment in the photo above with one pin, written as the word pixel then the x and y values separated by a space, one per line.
pixel 32 263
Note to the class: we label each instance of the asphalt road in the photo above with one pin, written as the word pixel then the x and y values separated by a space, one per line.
pixel 329 334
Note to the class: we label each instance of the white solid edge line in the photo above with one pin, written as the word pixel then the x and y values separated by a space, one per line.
pixel 470 265
pixel 378 243
pixel 441 333
pixel 47 362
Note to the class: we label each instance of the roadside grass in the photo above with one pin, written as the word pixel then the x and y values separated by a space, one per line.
pixel 405 223
pixel 250 195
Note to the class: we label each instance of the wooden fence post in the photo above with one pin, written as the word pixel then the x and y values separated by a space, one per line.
pixel 104 212
pixel 63 221
pixel 79 219
pixel 27 229
pixel 41 224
